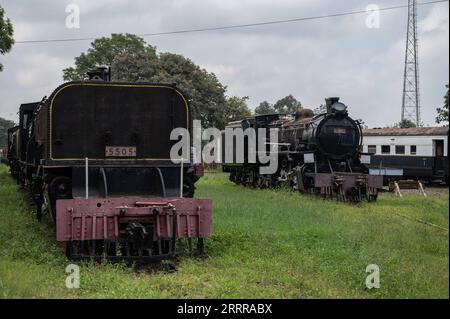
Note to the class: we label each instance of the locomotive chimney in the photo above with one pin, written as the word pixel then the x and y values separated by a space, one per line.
pixel 329 102
pixel 101 73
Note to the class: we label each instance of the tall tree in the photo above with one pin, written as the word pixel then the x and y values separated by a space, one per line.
pixel 135 66
pixel 4 126
pixel 287 105
pixel 443 111
pixel 264 108
pixel 103 51
pixel 133 60
pixel 206 93
pixel 236 109
pixel 6 34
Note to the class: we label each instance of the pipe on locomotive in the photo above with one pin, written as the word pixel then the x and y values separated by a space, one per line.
pixel 86 174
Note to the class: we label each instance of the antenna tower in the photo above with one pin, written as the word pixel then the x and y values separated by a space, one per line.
pixel 411 98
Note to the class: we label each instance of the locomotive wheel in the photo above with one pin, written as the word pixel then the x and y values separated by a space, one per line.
pixel 39 213
pixel 188 187
pixel 260 182
pixel 254 179
pixel 293 184
pixel 232 177
pixel 36 191
pixel 238 178
pixel 263 182
pixel 22 180
pixel 59 188
pixel 200 246
pixel 69 249
pixel 372 197
pixel 251 178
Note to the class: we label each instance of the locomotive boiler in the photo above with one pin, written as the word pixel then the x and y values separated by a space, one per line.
pixel 96 155
pixel 316 153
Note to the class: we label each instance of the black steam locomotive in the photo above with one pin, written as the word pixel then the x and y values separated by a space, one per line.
pixel 96 154
pixel 316 153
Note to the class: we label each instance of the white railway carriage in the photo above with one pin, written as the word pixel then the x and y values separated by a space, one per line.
pixel 408 153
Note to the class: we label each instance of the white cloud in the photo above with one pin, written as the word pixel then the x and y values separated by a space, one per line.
pixel 310 59
pixel 436 20
pixel 35 66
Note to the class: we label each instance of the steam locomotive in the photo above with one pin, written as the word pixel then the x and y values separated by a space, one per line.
pixel 316 153
pixel 96 155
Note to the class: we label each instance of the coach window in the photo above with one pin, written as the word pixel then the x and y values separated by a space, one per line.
pixel 413 150
pixel 385 149
pixel 372 149
pixel 400 149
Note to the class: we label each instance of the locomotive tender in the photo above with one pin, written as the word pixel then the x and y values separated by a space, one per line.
pixel 316 153
pixel 97 154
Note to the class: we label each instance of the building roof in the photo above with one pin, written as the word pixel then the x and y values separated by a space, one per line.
pixel 414 131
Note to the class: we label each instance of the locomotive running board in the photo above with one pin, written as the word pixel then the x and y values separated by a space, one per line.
pixel 340 184
pixel 349 179
pixel 109 222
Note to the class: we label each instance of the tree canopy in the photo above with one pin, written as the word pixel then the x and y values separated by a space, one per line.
pixel 131 59
pixel 4 126
pixel 264 108
pixel 236 108
pixel 405 123
pixel 287 105
pixel 6 34
pixel 443 111
pixel 104 51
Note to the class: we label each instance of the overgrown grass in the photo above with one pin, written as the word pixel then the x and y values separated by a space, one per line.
pixel 266 244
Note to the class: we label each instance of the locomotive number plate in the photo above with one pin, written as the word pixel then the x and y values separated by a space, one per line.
pixel 339 131
pixel 120 151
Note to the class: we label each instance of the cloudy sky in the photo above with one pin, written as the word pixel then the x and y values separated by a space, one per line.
pixel 313 59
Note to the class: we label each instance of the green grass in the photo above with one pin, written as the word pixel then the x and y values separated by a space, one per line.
pixel 266 244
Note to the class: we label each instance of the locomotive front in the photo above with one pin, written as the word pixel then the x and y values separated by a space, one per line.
pixel 332 161
pixel 336 135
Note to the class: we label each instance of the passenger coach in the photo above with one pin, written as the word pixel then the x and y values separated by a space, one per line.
pixel 408 153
